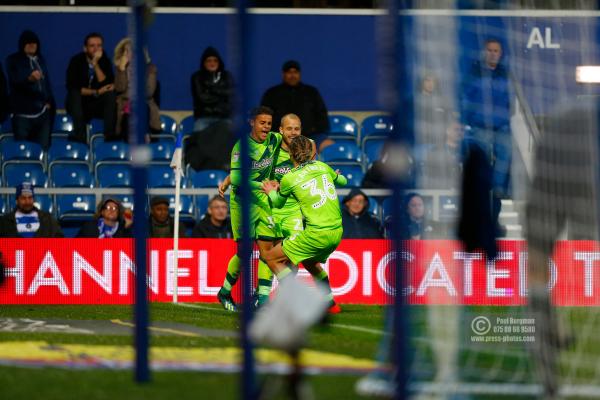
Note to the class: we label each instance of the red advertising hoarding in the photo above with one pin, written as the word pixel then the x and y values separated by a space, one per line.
pixel 101 271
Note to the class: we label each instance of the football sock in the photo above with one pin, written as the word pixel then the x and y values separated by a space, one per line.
pixel 233 273
pixel 265 280
pixel 324 279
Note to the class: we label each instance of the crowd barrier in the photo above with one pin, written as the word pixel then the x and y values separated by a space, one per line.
pixel 100 271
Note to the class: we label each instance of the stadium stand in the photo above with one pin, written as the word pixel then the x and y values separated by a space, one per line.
pixel 341 151
pixel 16 172
pixel 162 151
pixel 353 173
pixel 63 150
pixel 379 126
pixel 63 123
pixel 110 151
pixel 209 178
pixel 162 176
pixel 113 174
pixel 371 150
pixel 342 127
pixel 168 124
pixel 186 125
pixel 70 174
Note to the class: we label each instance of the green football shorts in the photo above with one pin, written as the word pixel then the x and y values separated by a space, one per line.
pixel 312 245
pixel 262 224
pixel 288 224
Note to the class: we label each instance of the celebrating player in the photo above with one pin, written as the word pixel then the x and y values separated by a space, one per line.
pixel 312 184
pixel 264 147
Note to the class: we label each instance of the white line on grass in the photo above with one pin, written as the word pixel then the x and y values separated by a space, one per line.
pixel 341 326
pixel 358 329
pixel 201 307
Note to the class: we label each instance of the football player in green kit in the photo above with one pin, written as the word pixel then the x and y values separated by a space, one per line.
pixel 264 148
pixel 312 183
pixel 288 219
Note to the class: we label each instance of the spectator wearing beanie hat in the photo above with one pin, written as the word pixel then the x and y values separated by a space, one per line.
pixel 292 96
pixel 26 220
pixel 108 222
pixel 161 224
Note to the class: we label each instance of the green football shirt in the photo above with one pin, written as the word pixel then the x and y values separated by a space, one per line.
pixel 262 156
pixel 283 166
pixel 312 184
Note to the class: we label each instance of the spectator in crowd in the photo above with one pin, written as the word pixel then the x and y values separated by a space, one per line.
pixel 90 89
pixel 441 167
pixel 485 111
pixel 375 177
pixel 30 93
pixel 122 59
pixel 26 220
pixel 161 224
pixel 212 90
pixel 3 96
pixel 430 112
pixel 215 223
pixel 108 222
pixel 357 221
pixel 294 97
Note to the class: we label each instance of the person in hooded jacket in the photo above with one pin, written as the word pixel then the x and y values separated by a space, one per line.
pixel 30 92
pixel 357 221
pixel 212 89
pixel 108 222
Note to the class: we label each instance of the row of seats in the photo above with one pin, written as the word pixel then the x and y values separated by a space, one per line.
pixel 118 173
pixel 341 126
pixel 73 208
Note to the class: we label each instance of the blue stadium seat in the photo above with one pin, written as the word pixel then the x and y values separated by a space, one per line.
pixel 342 126
pixel 201 205
pixel 187 209
pixel 6 126
pixel 113 174
pixel 162 151
pixel 96 126
pixel 376 125
pixel 341 151
pixel 62 150
pixel 449 207
pixel 16 172
pixel 125 199
pixel 21 150
pixel 62 123
pixel 7 137
pixel 110 151
pixel 372 150
pixel 186 126
pixel 353 173
pixel 70 174
pixel 75 207
pixel 41 201
pixel 160 176
pixel 209 178
pixel 168 124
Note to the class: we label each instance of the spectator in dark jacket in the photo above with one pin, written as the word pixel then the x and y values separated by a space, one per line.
pixel 161 224
pixel 3 96
pixel 90 89
pixel 108 222
pixel 215 223
pixel 212 90
pixel 26 220
pixel 357 221
pixel 294 97
pixel 30 92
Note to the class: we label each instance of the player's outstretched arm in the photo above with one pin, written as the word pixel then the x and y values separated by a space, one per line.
pixel 339 180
